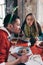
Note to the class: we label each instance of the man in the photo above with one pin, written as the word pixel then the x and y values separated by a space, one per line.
pixel 5 32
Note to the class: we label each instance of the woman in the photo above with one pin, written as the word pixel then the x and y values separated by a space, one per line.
pixel 31 27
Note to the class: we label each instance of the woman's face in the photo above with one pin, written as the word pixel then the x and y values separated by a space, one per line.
pixel 16 26
pixel 29 20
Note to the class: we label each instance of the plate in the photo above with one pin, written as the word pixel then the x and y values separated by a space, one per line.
pixel 26 40
pixel 19 50
pixel 20 39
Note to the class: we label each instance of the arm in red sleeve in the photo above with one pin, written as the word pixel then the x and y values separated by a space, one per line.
pixel 4 47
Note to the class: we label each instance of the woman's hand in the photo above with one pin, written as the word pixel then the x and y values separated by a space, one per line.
pixel 36 38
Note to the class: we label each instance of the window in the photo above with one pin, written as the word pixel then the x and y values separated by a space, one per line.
pixel 10 4
pixel 2 11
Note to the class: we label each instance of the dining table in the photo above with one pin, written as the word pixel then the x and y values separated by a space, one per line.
pixel 33 50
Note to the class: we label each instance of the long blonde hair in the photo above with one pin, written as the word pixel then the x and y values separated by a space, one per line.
pixel 35 21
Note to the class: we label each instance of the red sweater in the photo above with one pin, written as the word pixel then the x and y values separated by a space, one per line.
pixel 4 46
